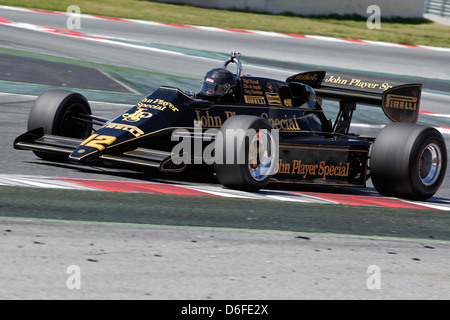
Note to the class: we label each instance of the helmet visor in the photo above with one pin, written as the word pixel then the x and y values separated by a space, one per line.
pixel 212 88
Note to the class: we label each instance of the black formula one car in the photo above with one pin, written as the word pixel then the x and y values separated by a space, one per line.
pixel 253 131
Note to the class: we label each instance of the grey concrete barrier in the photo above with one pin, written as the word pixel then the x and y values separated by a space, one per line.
pixel 389 8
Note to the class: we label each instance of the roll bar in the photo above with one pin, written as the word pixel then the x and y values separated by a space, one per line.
pixel 235 56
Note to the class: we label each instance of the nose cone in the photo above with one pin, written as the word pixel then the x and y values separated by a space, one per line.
pixel 84 154
pixel 90 149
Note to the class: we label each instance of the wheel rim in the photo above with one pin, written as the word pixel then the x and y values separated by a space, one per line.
pixel 430 164
pixel 261 155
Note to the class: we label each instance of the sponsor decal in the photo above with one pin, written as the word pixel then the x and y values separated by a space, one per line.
pixel 131 129
pixel 359 83
pixel 207 120
pixel 396 101
pixel 252 87
pixel 273 99
pixel 288 102
pixel 99 142
pixel 255 99
pixel 138 115
pixel 312 78
pixel 283 124
pixel 306 171
pixel 145 107
pixel 157 104
pixel 305 77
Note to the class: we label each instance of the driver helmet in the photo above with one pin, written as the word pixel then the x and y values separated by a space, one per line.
pixel 217 83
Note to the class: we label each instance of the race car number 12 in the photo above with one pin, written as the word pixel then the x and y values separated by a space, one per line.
pixel 98 142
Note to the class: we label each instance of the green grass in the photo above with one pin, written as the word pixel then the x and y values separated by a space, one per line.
pixel 212 212
pixel 398 30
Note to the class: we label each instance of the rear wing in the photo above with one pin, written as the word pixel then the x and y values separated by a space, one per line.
pixel 400 102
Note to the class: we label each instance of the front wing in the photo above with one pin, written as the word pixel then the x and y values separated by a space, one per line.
pixel 139 158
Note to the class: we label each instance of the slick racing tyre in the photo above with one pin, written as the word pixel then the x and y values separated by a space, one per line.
pixel 56 111
pixel 408 161
pixel 246 153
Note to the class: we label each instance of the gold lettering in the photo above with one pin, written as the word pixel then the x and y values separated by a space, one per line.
pixel 313 171
pixel 287 124
pixel 401 102
pixel 137 115
pixel 330 170
pixel 288 102
pixel 284 167
pixel 230 114
pixel 273 99
pixel 308 77
pixel 296 126
pixel 338 80
pixel 206 120
pixel 157 104
pixel 359 83
pixel 254 100
pixel 131 129
pixel 98 141
pixel 385 86
pixel 252 87
pixel 304 170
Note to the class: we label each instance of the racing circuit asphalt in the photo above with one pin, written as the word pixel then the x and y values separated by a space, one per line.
pixel 185 263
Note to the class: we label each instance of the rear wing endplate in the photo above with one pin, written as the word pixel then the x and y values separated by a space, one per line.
pixel 400 102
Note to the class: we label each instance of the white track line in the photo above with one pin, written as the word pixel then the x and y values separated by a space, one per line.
pixel 214 29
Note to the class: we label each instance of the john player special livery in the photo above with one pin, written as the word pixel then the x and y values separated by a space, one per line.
pixel 301 145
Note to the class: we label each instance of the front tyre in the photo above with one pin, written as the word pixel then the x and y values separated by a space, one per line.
pixel 408 161
pixel 246 153
pixel 59 112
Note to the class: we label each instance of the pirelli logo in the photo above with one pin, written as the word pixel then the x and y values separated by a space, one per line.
pixel 255 100
pixel 396 101
pixel 135 131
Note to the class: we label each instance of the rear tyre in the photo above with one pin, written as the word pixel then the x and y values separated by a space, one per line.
pixel 56 111
pixel 249 153
pixel 408 161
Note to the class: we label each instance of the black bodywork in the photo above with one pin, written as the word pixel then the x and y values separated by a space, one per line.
pixel 312 148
